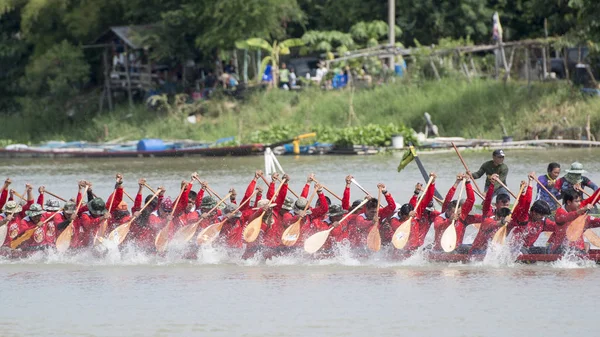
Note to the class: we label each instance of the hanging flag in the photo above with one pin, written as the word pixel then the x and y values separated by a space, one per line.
pixel 496 28
pixel 408 156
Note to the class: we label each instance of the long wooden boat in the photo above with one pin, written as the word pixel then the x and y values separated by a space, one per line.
pixel 434 257
pixel 242 150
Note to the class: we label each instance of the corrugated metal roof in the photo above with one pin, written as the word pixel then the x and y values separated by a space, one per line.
pixel 126 34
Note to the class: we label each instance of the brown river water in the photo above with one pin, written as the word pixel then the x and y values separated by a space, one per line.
pixel 130 294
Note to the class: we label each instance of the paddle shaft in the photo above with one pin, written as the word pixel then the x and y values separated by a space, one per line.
pixel 425 175
pixel 358 185
pixel 18 195
pixel 289 189
pixel 210 190
pixel 79 204
pixel 128 196
pixel 547 191
pixel 462 188
pixel 477 190
pixel 150 188
pixel 505 187
pixel 350 213
pixel 56 196
pixel 328 190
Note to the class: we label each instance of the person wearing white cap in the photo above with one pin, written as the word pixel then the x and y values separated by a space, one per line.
pixel 497 166
pixel 574 180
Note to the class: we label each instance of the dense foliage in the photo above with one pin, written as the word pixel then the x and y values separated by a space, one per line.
pixel 43 67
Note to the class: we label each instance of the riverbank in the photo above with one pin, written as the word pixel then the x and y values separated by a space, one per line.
pixel 481 109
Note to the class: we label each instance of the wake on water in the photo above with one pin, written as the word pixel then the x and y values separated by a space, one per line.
pixel 497 256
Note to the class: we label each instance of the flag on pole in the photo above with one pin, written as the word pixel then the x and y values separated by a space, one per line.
pixel 408 156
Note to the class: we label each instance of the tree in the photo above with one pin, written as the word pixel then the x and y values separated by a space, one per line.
pixel 51 80
pixel 275 49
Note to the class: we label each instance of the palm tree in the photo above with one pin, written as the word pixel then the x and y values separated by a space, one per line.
pixel 275 49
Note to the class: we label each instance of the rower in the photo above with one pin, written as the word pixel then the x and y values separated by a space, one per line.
pixel 574 179
pixel 497 166
pixel 460 219
pixel 548 180
pixel 572 208
pixel 358 229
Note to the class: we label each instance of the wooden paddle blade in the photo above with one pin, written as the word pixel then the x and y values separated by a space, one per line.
pixel 576 228
pixel 26 236
pixel 448 240
pixel 185 234
pixel 401 234
pixel 162 238
pixel 589 234
pixel 210 233
pixel 291 234
pixel 101 231
pixel 500 236
pixel 119 234
pixel 253 229
pixel 316 241
pixel 3 233
pixel 63 242
pixel 374 238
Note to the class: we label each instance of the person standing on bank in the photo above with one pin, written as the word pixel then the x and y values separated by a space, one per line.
pixel 494 166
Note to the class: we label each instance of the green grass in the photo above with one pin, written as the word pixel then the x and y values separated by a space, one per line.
pixel 476 110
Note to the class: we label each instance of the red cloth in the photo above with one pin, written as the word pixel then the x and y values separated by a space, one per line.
pixel 84 229
pixel 16 227
pixel 3 198
pixel 441 223
pixel 346 199
pixel 358 229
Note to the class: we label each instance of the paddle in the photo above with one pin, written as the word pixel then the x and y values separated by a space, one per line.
pixel 210 190
pixel 120 233
pixel 17 194
pixel 150 188
pixel 292 233
pixel 506 188
pixel 374 237
pixel 56 196
pixel 448 241
pixel 252 230
pixel 317 240
pixel 186 233
pixel 63 242
pixel 438 197
pixel 500 235
pixel 328 190
pixel 102 228
pixel 162 238
pixel 210 233
pixel 400 237
pixel 128 196
pixel 358 185
pixel 477 190
pixel 28 233
pixel 289 189
pixel 577 226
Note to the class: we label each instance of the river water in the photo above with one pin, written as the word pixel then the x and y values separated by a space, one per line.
pixel 130 294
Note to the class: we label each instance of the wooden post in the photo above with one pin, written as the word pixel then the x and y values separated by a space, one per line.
pixel 566 64
pixel 107 79
pixel 544 64
pixel 527 65
pixel 496 62
pixel 245 66
pixel 437 75
pixel 473 68
pixel 127 76
pixel 391 31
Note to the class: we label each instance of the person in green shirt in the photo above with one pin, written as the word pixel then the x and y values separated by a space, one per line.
pixel 284 77
pixel 494 166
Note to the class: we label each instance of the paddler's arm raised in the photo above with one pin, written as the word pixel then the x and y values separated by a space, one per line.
pixel 389 209
pixel 346 196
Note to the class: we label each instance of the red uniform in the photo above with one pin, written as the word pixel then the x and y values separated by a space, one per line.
pixel 415 238
pixel 558 239
pixel 84 230
pixel 16 227
pixel 358 229
pixel 442 221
